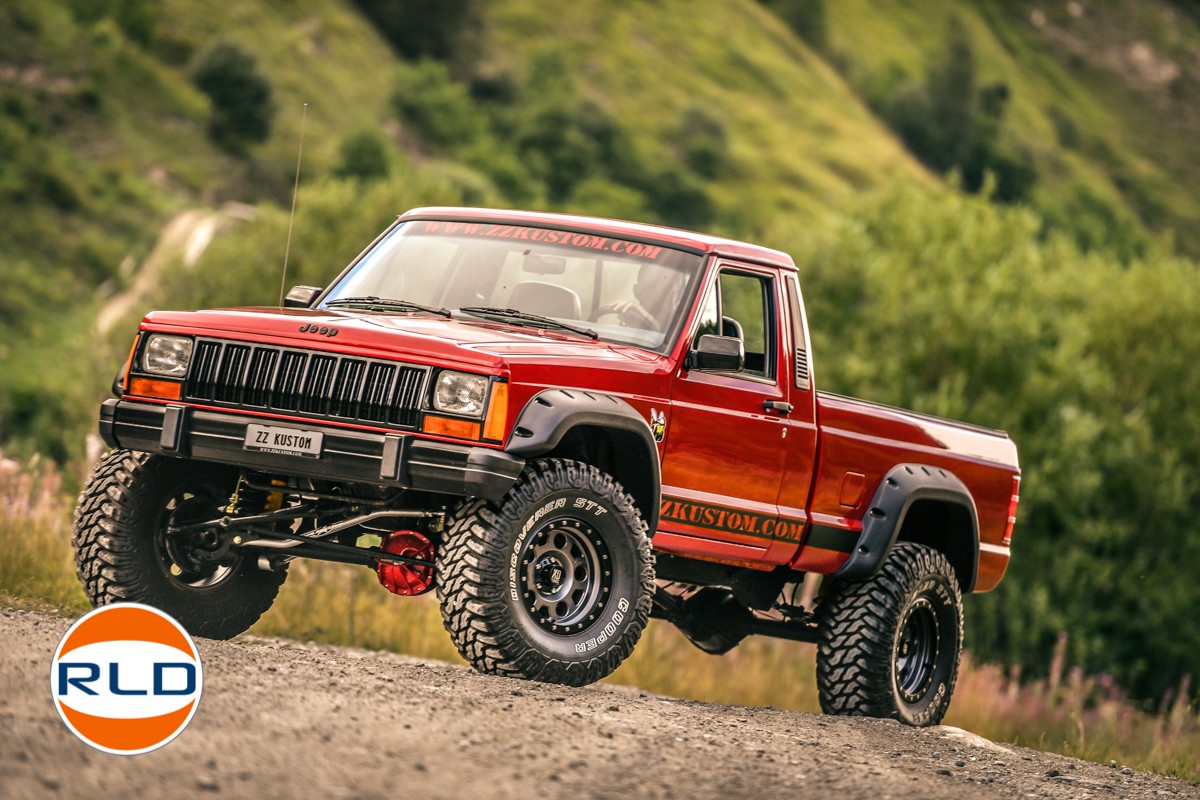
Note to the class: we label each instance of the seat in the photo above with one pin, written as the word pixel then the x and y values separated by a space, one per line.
pixel 537 297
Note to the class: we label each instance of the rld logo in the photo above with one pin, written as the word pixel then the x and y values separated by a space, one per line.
pixel 126 678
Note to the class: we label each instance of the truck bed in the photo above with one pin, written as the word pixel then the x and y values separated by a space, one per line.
pixel 862 441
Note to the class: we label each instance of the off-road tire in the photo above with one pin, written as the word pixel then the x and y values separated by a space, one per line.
pixel 119 545
pixel 488 568
pixel 872 634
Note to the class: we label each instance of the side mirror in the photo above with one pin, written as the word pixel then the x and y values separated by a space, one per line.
pixel 719 354
pixel 301 296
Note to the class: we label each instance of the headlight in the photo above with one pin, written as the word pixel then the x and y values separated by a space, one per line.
pixel 460 393
pixel 167 355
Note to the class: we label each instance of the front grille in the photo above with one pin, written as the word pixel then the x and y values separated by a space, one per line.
pixel 305 382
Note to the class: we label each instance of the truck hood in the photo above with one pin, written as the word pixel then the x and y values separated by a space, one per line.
pixel 467 343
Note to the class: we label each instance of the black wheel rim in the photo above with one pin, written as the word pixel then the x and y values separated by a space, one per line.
pixel 566 575
pixel 182 555
pixel 917 650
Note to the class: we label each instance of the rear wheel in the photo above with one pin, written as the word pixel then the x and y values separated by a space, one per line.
pixel 554 584
pixel 889 645
pixel 123 552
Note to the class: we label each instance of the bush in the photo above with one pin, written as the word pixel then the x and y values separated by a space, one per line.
pixel 436 108
pixel 602 198
pixel 704 140
pixel 951 124
pixel 1088 362
pixel 680 200
pixel 137 19
pixel 364 156
pixel 421 28
pixel 806 17
pixel 242 108
pixel 564 138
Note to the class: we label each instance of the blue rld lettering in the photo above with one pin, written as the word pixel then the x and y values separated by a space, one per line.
pixel 114 679
pixel 189 671
pixel 64 679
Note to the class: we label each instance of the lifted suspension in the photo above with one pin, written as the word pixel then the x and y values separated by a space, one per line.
pixel 249 532
pixel 714 620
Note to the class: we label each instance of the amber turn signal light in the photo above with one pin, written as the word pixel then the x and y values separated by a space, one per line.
pixel 146 387
pixel 497 413
pixel 457 428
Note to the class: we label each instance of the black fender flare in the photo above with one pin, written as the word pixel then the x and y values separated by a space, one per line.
pixel 552 413
pixel 904 485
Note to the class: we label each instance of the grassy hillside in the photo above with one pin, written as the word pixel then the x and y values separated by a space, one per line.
pixel 103 138
pixel 1103 100
pixel 715 114
pixel 800 139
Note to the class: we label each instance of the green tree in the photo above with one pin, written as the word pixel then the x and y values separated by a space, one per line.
pixel 951 124
pixel 436 107
pixel 952 100
pixel 679 199
pixel 702 136
pixel 1088 362
pixel 364 156
pixel 421 28
pixel 806 17
pixel 242 108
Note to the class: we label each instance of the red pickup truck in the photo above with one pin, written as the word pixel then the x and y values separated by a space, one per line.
pixel 566 426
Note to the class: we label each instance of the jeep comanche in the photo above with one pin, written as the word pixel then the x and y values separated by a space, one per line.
pixel 565 426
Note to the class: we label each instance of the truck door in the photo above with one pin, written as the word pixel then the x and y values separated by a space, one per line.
pixel 724 451
pixel 800 444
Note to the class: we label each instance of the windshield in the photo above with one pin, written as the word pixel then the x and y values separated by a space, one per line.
pixel 627 292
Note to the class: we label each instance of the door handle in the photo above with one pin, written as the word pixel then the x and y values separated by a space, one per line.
pixel 777 405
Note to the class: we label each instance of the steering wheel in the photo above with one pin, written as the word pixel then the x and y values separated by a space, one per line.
pixel 603 311
pixel 631 316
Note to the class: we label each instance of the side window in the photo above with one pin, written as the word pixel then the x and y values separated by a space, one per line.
pixel 741 305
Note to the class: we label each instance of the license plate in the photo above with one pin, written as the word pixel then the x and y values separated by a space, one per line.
pixel 285 441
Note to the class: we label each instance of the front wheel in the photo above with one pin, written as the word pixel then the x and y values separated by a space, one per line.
pixel 889 645
pixel 554 584
pixel 123 552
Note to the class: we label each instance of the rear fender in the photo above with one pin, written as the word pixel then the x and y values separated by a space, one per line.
pixel 903 487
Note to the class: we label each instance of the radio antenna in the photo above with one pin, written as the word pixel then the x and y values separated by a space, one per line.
pixel 287 249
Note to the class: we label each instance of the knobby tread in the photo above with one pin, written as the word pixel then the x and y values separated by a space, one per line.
pixel 113 540
pixel 472 564
pixel 858 624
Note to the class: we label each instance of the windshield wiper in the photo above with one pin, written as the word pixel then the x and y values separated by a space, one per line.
pixel 384 302
pixel 513 315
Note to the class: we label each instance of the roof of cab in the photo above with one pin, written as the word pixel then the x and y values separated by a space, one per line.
pixel 670 237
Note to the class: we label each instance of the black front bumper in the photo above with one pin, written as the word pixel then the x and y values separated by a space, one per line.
pixel 382 459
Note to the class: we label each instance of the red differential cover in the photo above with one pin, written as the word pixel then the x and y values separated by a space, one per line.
pixel 407 579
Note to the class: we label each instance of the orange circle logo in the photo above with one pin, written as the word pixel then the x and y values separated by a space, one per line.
pixel 126 678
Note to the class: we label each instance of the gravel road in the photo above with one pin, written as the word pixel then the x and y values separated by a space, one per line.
pixel 284 719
